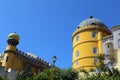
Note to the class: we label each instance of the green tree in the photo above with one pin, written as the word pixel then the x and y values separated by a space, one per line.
pixel 114 76
pixel 23 75
pixel 56 74
pixel 69 74
pixel 101 67
pixel 4 77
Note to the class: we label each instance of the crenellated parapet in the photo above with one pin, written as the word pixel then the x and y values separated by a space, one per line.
pixel 35 61
pixel 17 59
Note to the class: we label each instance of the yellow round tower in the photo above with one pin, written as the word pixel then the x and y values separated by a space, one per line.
pixel 87 43
pixel 13 40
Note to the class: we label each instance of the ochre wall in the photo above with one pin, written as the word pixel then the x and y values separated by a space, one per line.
pixel 17 63
pixel 14 61
pixel 85 46
pixel 8 64
pixel 33 70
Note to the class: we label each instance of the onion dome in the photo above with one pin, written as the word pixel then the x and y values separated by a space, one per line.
pixel 13 39
pixel 91 21
pixel 14 36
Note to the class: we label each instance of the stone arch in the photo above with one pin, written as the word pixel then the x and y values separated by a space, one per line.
pixel 109 47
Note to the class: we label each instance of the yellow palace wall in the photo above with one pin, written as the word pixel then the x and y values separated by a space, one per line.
pixel 13 60
pixel 85 45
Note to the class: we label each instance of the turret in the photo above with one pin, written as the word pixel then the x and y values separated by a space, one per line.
pixel 13 39
pixel 87 43
pixel 10 52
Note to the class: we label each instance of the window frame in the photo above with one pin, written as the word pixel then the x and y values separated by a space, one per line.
pixel 77 53
pixel 7 58
pixel 95 60
pixel 95 50
pixel 108 45
pixel 94 34
pixel 77 38
pixel 77 63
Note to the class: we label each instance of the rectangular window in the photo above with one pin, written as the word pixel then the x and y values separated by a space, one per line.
pixel 95 50
pixel 77 53
pixel 94 34
pixel 7 58
pixel 77 63
pixel 95 60
pixel 77 38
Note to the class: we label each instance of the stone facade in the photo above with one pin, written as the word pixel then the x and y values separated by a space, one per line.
pixel 111 47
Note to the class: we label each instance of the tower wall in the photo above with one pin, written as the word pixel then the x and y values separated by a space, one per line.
pixel 8 56
pixel 85 46
pixel 11 60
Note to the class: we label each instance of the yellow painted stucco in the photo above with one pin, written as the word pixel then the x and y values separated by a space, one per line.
pixel 11 47
pixel 7 63
pixel 11 57
pixel 85 46
pixel 14 61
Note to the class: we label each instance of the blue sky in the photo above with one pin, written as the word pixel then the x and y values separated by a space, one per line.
pixel 46 26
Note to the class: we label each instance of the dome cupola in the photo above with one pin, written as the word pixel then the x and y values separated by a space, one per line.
pixel 91 21
pixel 13 39
pixel 13 36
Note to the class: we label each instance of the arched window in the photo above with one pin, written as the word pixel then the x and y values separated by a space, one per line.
pixel 7 58
pixel 77 53
pixel 94 34
pixel 109 47
pixel 77 63
pixel 77 38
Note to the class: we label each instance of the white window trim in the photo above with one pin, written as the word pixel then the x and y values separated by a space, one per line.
pixel 77 53
pixel 77 38
pixel 77 63
pixel 96 50
pixel 94 33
